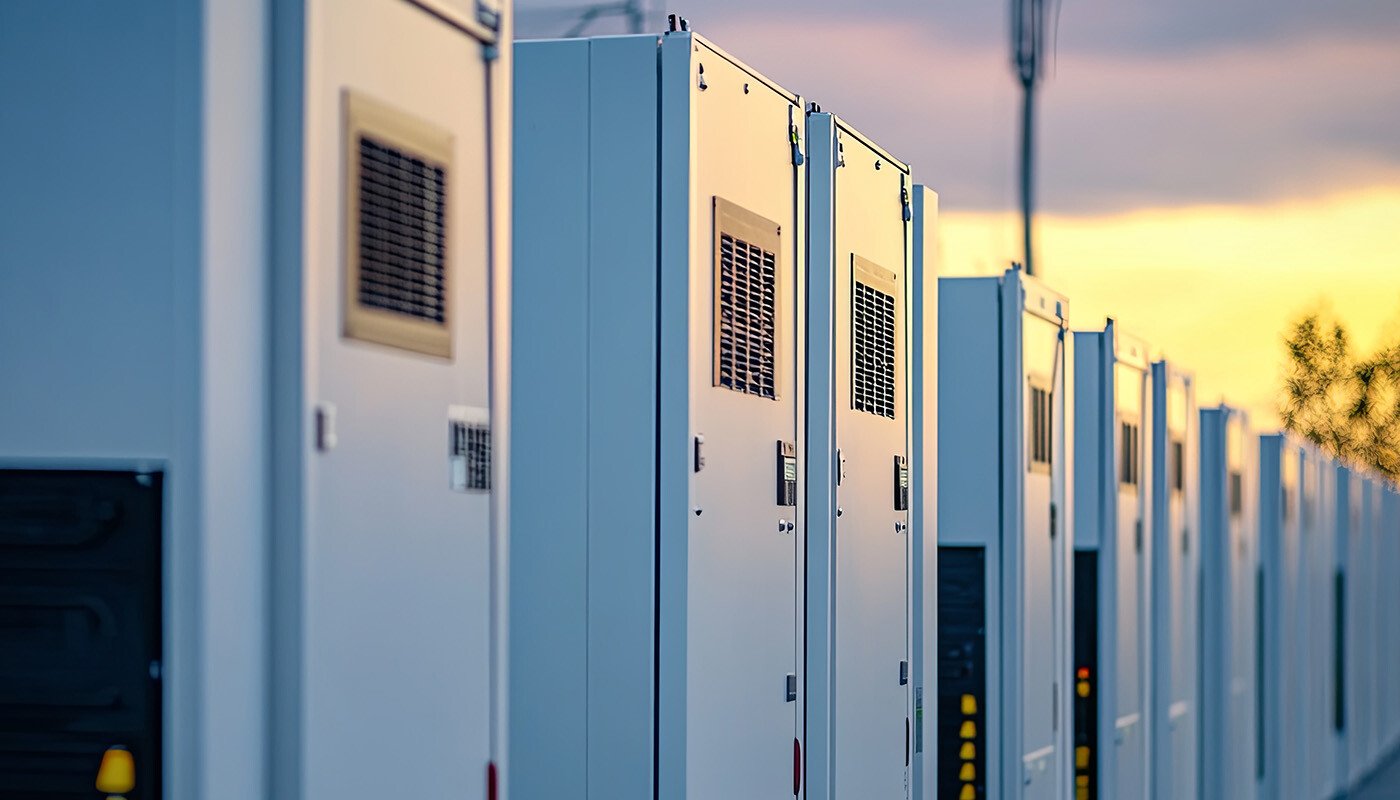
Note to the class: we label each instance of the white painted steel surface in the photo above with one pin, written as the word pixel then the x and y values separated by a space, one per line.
pixel 872 714
pixel 308 593
pixel 677 587
pixel 393 558
pixel 1280 509
pixel 1113 498
pixel 997 337
pixel 1230 757
pixel 923 480
pixel 1175 559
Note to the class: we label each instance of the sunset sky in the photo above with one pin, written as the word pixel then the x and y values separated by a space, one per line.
pixel 1208 170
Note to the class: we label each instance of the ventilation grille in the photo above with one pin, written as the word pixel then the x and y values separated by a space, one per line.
pixel 1041 442
pixel 872 332
pixel 403 268
pixel 397 250
pixel 471 456
pixel 747 317
pixel 1128 454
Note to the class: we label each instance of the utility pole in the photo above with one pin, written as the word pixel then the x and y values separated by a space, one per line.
pixel 1027 42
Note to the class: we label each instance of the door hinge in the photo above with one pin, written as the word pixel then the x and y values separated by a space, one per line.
pixel 795 140
pixel 491 18
pixel 904 200
pixel 1055 706
pixel 1054 520
pixel 791 688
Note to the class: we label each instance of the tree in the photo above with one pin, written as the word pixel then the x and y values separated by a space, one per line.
pixel 1348 406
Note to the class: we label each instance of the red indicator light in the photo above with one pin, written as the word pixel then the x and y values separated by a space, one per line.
pixel 1083 673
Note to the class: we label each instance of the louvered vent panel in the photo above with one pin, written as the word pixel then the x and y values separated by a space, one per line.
pixel 747 317
pixel 471 453
pixel 403 267
pixel 873 348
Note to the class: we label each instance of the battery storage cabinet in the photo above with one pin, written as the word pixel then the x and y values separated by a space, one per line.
pixel 1316 571
pixel 1174 716
pixel 859 712
pixel 1368 667
pixel 1232 760
pixel 1361 578
pixel 1283 463
pixel 394 354
pixel 1388 528
pixel 656 611
pixel 271 392
pixel 1112 568
pixel 1340 647
pixel 1003 525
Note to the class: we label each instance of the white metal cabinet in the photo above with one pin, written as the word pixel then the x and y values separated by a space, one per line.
pixel 1003 557
pixel 333 588
pixel 659 220
pixel 398 604
pixel 1112 490
pixel 1341 643
pixel 1389 533
pixel 1175 565
pixel 1314 642
pixel 1280 509
pixel 861 255
pixel 1230 585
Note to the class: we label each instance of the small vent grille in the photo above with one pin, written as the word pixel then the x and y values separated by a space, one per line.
pixel 747 348
pixel 471 456
pixel 1128 453
pixel 873 331
pixel 1041 441
pixel 403 268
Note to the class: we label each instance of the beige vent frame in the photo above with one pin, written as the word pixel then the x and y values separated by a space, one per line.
pixel 877 277
pixel 766 234
pixel 365 116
